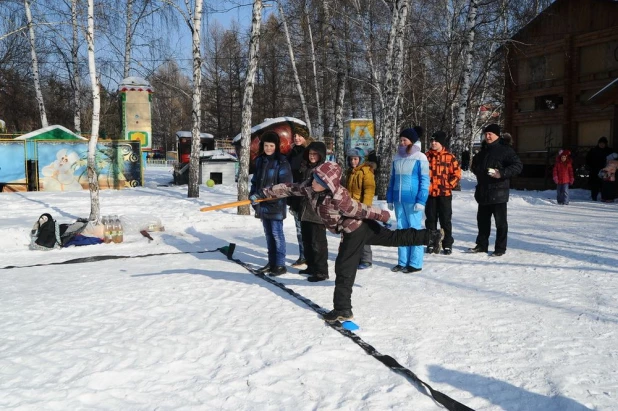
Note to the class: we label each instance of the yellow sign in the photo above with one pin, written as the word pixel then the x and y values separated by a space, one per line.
pixel 359 133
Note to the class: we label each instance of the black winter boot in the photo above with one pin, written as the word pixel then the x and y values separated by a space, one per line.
pixel 264 269
pixel 277 271
pixel 338 315
pixel 314 278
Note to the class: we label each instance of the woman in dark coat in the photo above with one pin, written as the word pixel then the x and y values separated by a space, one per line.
pixel 271 167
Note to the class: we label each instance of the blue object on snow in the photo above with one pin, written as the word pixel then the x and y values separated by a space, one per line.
pixel 349 325
pixel 80 240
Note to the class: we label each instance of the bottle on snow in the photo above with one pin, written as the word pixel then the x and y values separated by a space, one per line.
pixel 120 231
pixel 107 227
pixel 117 230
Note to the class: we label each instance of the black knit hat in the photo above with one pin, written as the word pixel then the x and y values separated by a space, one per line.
pixel 492 128
pixel 410 134
pixel 269 137
pixel 440 137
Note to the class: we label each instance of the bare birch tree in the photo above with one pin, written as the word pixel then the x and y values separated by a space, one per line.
pixel 195 25
pixel 460 121
pixel 128 38
pixel 340 69
pixel 35 65
pixel 318 130
pixel 75 78
pixel 299 86
pixel 392 91
pixel 93 179
pixel 247 107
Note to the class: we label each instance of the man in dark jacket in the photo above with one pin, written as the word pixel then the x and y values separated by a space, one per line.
pixel 595 161
pixel 494 166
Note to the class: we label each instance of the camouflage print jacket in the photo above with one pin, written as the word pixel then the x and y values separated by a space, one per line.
pixel 338 211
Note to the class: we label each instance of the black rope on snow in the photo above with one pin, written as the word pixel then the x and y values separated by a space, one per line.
pixel 443 399
pixel 94 259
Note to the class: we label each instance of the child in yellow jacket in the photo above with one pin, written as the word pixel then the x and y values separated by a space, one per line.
pixel 360 183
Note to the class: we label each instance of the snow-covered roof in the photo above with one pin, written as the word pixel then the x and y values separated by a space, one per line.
pixel 180 134
pixel 218 154
pixel 54 132
pixel 135 84
pixel 269 122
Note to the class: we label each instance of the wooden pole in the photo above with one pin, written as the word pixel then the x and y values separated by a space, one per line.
pixel 234 204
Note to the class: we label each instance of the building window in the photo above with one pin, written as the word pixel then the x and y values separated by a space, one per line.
pixel 547 102
pixel 541 68
pixel 598 58
pixel 589 132
pixel 538 138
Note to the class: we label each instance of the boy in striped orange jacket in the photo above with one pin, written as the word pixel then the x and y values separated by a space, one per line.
pixel 444 175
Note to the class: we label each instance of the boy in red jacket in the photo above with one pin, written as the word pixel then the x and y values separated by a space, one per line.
pixel 563 176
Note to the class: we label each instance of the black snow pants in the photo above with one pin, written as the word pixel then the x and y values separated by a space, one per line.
pixel 351 247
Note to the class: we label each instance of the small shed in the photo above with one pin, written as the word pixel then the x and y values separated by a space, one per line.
pixel 218 166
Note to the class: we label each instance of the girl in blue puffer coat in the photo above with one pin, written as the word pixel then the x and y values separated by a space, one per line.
pixel 407 194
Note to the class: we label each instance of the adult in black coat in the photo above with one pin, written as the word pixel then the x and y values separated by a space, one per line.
pixel 313 230
pixel 596 159
pixel 295 158
pixel 494 165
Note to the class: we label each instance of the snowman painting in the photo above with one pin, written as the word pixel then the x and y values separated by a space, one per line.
pixel 59 175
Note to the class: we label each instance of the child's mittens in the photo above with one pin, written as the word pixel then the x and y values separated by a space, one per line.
pixel 419 207
pixel 254 198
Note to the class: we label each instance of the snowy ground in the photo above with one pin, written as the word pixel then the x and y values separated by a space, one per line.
pixel 533 330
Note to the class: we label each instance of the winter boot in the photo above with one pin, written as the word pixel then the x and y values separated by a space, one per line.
pixel 477 249
pixel 264 269
pixel 397 268
pixel 338 315
pixel 435 240
pixel 277 271
pixel 300 263
pixel 314 278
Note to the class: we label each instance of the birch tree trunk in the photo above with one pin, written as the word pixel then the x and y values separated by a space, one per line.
pixel 196 111
pixel 247 106
pixel 341 86
pixel 319 128
pixel 93 179
pixel 35 65
pixel 77 122
pixel 128 38
pixel 457 144
pixel 392 91
pixel 299 86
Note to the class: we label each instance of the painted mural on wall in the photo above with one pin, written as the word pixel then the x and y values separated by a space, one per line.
pixel 12 162
pixel 62 165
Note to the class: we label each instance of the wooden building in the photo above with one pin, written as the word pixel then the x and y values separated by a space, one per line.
pixel 561 89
